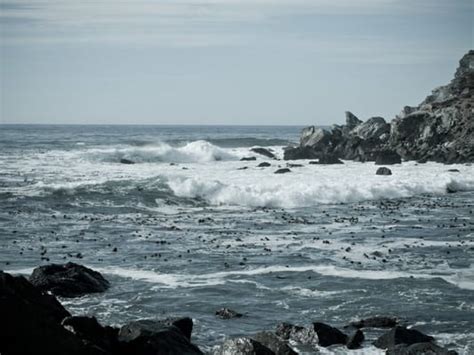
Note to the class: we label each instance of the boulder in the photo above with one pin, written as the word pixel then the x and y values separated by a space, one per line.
pixel 148 337
pixel 355 340
pixel 298 153
pixel 373 128
pixel 419 349
pixel 383 171
pixel 401 335
pixel 388 157
pixel 126 161
pixel 265 152
pixel 328 335
pixel 68 280
pixel 375 322
pixel 147 327
pixel 282 171
pixel 329 159
pixel 264 165
pixel 274 343
pixel 248 159
pixel 314 137
pixel 243 346
pixel 226 313
pixel 31 321
pixel 298 334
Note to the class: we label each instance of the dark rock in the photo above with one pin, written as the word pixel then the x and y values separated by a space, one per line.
pixel 294 165
pixel 401 335
pixel 243 168
pixel 419 349
pixel 383 171
pixel 248 159
pixel 375 322
pixel 243 346
pixel 126 161
pixel 274 343
pixel 31 321
pixel 263 151
pixel 264 165
pixel 373 128
pixel 329 159
pixel 314 137
pixel 147 327
pixel 283 171
pixel 68 280
pixel 297 334
pixel 328 335
pixel 355 340
pixel 387 157
pixel 453 170
pixel 91 332
pixel 351 120
pixel 226 313
pixel 149 337
pixel 297 153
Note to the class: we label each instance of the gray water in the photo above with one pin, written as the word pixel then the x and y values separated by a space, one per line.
pixel 183 232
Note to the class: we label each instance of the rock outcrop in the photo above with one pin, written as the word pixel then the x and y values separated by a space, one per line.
pixel 440 129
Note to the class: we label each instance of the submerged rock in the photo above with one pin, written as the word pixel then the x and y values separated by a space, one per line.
pixel 329 159
pixel 226 313
pixel 401 335
pixel 126 161
pixel 383 171
pixel 282 171
pixel 68 280
pixel 248 159
pixel 264 165
pixel 328 335
pixel 420 349
pixel 375 322
pixel 263 151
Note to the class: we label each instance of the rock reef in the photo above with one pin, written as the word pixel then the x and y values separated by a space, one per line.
pixel 439 129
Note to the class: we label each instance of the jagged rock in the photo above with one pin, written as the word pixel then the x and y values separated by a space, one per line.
pixel 373 128
pixel 31 321
pixel 226 313
pixel 146 327
pixel 314 137
pixel 420 349
pixel 126 161
pixel 149 337
pixel 282 171
pixel 383 171
pixel 243 346
pixel 375 322
pixel 68 280
pixel 264 165
pixel 329 159
pixel 355 340
pixel 274 343
pixel 401 335
pixel 248 159
pixel 328 335
pixel 92 333
pixel 297 153
pixel 351 120
pixel 297 334
pixel 265 152
pixel 388 157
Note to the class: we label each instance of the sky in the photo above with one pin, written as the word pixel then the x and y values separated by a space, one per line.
pixel 262 62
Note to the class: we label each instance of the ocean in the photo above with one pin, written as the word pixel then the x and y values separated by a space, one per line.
pixel 189 228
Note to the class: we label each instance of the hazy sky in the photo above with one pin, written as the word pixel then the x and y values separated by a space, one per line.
pixel 224 61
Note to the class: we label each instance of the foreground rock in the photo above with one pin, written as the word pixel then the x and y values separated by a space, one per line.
pixel 282 171
pixel 68 280
pixel 401 335
pixel 274 343
pixel 383 171
pixel 420 349
pixel 297 334
pixel 355 340
pixel 328 335
pixel 243 346
pixel 440 129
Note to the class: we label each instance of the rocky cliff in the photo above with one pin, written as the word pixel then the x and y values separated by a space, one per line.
pixel 440 129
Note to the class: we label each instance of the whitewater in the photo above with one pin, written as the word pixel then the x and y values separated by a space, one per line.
pixel 181 225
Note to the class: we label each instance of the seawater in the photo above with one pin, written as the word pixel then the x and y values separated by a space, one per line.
pixel 189 228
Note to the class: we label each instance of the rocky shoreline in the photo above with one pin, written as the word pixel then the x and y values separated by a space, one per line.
pixel 35 322
pixel 440 129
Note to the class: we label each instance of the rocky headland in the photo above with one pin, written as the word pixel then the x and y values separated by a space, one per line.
pixel 440 129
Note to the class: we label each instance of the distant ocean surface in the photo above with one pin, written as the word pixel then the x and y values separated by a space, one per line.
pixel 190 228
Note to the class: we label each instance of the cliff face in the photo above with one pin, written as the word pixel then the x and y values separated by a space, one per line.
pixel 440 129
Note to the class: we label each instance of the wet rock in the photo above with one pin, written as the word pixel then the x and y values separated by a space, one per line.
pixel 243 346
pixel 263 151
pixel 68 280
pixel 329 159
pixel 298 334
pixel 328 335
pixel 226 313
pixel 92 333
pixel 294 165
pixel 419 349
pixel 388 157
pixel 355 340
pixel 274 343
pixel 147 327
pixel 282 171
pixel 248 159
pixel 401 335
pixel 383 171
pixel 375 322
pixel 264 165
pixel 149 337
pixel 30 321
pixel 296 153
pixel 126 161
pixel 453 170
